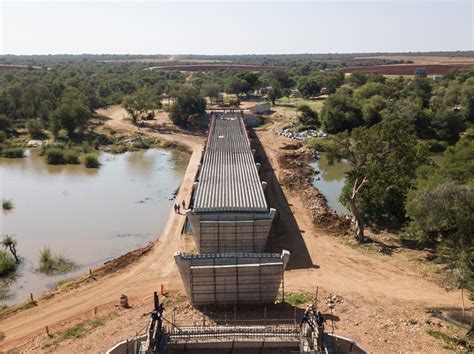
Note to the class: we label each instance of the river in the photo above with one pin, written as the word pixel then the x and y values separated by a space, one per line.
pixel 87 215
pixel 330 181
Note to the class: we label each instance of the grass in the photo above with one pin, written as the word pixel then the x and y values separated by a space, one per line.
pixel 77 330
pixel 97 321
pixel 7 264
pixel 13 153
pixel 91 161
pixel 296 299
pixel 50 263
pixel 7 204
pixel 292 103
pixel 74 331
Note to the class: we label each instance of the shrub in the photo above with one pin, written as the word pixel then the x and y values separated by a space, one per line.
pixel 318 144
pixel 7 264
pixel 13 153
pixel 50 263
pixel 91 161
pixel 55 156
pixel 35 129
pixel 3 136
pixel 7 204
pixel 71 156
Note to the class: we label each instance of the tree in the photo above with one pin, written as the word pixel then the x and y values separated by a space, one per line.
pixel 441 209
pixel 140 102
pixel 308 117
pixel 372 110
pixel 210 90
pixel 308 87
pixel 187 102
pixel 274 94
pixel 382 162
pixel 341 112
pixel 9 243
pixel 70 116
pixel 357 79
pixel 236 85
pixel 251 78
pixel 35 128
pixel 4 122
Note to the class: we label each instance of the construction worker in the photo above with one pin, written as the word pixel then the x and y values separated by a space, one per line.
pixel 308 317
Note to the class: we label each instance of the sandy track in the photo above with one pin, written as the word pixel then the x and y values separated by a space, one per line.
pixel 138 280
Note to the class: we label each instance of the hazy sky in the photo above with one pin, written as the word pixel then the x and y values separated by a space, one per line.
pixel 225 27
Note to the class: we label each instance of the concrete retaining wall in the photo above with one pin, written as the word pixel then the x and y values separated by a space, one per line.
pixel 232 278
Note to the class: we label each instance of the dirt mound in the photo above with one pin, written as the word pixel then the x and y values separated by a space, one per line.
pixel 297 175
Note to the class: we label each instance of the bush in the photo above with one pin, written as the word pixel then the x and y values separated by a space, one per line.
pixel 7 264
pixel 91 161
pixel 7 204
pixel 50 263
pixel 71 157
pixel 60 155
pixel 318 144
pixel 35 129
pixel 55 156
pixel 3 136
pixel 13 153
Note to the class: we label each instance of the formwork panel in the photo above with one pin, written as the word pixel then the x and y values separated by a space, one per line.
pixel 232 278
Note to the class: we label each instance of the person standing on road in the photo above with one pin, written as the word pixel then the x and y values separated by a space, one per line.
pixel 184 205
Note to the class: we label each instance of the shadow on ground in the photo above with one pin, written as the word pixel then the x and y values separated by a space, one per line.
pixel 285 233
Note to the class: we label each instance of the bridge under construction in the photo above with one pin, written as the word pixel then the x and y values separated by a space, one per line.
pixel 230 222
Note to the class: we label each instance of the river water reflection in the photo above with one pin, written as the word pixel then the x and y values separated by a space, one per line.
pixel 330 181
pixel 85 214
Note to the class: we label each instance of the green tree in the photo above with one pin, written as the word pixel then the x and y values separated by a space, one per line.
pixel 188 102
pixel 382 162
pixel 341 112
pixel 372 110
pixel 236 85
pixel 70 116
pixel 357 79
pixel 441 209
pixel 35 129
pixel 274 94
pixel 139 103
pixel 307 117
pixel 210 90
pixel 251 78
pixel 4 122
pixel 308 87
pixel 9 243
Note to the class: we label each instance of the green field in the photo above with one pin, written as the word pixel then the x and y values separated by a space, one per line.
pixel 292 103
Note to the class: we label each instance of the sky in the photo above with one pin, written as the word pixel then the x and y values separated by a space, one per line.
pixel 227 27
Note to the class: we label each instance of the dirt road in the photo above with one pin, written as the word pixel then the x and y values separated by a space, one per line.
pixel 383 297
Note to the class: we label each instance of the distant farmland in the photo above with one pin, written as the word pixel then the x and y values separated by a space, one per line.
pixel 214 67
pixel 432 64
pixel 407 69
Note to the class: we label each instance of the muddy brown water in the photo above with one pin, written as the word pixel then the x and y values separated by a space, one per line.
pixel 87 215
pixel 330 181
